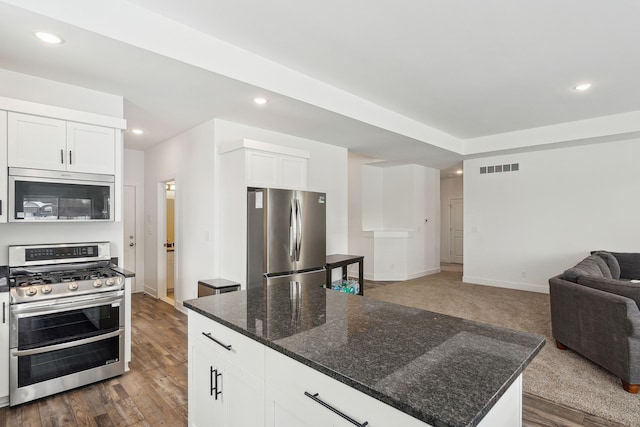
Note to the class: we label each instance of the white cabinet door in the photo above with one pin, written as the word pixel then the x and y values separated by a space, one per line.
pixel 90 149
pixel 4 346
pixel 294 172
pixel 36 142
pixel 4 204
pixel 242 396
pixel 274 170
pixel 205 407
pixel 226 386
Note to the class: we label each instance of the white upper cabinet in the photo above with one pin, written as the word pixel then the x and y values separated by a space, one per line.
pixel 4 204
pixel 36 142
pixel 268 165
pixel 90 149
pixel 43 143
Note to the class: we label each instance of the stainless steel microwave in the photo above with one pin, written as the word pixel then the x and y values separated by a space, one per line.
pixel 42 195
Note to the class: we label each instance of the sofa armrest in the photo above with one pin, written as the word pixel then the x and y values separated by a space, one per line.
pixel 602 326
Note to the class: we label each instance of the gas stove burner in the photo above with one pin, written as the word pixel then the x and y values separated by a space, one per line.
pixel 61 271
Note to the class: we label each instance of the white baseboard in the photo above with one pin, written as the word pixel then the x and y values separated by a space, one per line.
pixel 4 401
pixel 531 287
pixel 151 291
pixel 400 277
pixel 180 307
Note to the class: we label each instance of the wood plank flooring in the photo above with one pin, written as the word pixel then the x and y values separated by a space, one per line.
pixel 154 392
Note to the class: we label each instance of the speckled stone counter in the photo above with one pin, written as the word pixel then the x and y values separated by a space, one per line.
pixel 4 278
pixel 442 370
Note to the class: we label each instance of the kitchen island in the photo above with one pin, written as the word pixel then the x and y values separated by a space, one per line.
pixel 294 356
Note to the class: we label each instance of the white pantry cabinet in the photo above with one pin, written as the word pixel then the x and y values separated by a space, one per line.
pixel 4 203
pixel 44 143
pixel 4 346
pixel 226 376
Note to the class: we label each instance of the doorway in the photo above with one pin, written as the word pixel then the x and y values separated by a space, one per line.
pixel 456 216
pixel 168 285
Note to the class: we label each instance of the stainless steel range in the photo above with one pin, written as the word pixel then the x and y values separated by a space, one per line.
pixel 66 320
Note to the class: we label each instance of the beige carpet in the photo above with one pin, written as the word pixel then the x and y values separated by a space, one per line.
pixel 560 376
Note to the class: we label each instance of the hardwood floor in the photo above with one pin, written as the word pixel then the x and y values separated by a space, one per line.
pixel 154 392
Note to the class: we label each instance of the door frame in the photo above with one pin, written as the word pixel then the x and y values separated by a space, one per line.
pixel 161 250
pixel 452 258
pixel 138 231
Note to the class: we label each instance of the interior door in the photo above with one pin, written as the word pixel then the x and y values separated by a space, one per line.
pixel 129 230
pixel 457 230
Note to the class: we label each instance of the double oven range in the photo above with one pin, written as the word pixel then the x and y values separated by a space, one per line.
pixel 67 314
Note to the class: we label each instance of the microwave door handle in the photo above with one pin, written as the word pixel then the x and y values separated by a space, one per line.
pixel 299 234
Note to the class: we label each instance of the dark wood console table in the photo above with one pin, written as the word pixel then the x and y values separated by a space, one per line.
pixel 340 260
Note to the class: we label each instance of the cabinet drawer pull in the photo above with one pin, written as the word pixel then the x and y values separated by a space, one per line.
pixel 315 398
pixel 208 335
pixel 212 388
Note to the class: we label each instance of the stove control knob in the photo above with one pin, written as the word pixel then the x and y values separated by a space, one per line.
pixel 73 286
pixel 119 280
pixel 97 283
pixel 31 291
pixel 46 289
pixel 110 281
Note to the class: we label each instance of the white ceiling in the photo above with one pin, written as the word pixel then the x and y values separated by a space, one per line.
pixel 466 68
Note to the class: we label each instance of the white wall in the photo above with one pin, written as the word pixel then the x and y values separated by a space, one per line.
pixel 327 172
pixel 189 158
pixel 358 206
pixel 34 89
pixel 133 171
pixel 450 188
pixel 521 228
pixel 399 230
pixel 43 91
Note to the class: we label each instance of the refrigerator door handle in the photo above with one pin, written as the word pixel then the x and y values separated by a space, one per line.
pixel 292 231
pixel 299 234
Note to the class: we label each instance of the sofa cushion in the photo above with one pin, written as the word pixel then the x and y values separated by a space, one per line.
pixel 629 264
pixel 612 262
pixel 618 287
pixel 590 266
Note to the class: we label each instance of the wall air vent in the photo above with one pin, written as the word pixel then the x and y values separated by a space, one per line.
pixel 512 167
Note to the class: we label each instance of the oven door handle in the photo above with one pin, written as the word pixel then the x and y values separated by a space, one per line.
pixel 39 350
pixel 54 306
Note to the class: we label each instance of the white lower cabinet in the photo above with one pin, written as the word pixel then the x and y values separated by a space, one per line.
pixel 331 403
pixel 226 385
pixel 4 347
pixel 253 385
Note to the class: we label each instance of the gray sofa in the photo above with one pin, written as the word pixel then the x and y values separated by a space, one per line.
pixel 595 312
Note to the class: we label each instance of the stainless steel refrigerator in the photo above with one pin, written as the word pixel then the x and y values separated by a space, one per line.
pixel 286 237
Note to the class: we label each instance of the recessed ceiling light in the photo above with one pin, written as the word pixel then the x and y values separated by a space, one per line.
pixel 260 101
pixel 48 37
pixel 459 172
pixel 137 131
pixel 582 87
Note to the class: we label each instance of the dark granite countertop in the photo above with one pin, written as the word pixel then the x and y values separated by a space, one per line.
pixel 4 278
pixel 125 273
pixel 442 370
